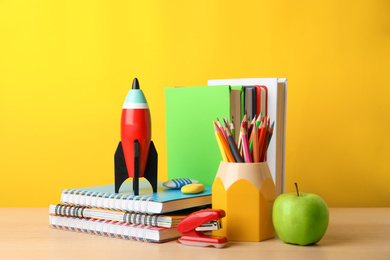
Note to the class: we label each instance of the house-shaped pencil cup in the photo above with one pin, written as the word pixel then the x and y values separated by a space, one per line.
pixel 246 192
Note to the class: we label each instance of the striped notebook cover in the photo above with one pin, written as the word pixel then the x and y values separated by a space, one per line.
pixel 115 229
pixel 114 215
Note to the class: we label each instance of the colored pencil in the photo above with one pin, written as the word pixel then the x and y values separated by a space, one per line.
pixel 232 127
pixel 259 118
pixel 251 126
pixel 222 130
pixel 225 145
pixel 271 131
pixel 233 145
pixel 227 137
pixel 245 122
pixel 264 152
pixel 239 144
pixel 245 146
pixel 263 132
pixel 221 149
pixel 257 123
pixel 255 139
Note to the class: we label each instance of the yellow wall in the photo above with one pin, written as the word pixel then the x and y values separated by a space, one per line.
pixel 66 67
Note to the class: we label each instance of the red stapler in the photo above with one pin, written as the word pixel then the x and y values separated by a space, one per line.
pixel 203 220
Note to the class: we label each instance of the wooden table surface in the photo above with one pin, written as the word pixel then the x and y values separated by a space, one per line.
pixel 353 233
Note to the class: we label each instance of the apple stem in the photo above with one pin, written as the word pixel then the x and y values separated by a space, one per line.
pixel 296 186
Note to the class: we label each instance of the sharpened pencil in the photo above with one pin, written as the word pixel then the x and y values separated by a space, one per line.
pixel 225 145
pixel 257 123
pixel 232 130
pixel 251 127
pixel 245 123
pixel 263 132
pixel 233 145
pixel 264 152
pixel 221 149
pixel 245 145
pixel 271 131
pixel 255 139
pixel 227 138
pixel 259 119
pixel 222 130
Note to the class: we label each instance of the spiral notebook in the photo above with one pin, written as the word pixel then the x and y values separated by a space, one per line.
pixel 115 229
pixel 114 215
pixel 163 201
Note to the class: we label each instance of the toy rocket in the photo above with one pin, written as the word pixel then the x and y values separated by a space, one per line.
pixel 136 155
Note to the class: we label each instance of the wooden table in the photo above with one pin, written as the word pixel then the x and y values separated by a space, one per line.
pixel 353 233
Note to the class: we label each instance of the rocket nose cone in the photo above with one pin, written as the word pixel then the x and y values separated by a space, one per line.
pixel 135 84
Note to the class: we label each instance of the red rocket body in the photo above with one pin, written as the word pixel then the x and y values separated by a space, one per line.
pixel 135 125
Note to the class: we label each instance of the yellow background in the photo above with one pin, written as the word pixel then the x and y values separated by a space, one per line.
pixel 66 67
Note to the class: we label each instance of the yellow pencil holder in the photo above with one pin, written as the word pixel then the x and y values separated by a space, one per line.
pixel 246 192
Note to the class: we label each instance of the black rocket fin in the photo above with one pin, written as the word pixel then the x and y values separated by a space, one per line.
pixel 151 167
pixel 136 168
pixel 121 173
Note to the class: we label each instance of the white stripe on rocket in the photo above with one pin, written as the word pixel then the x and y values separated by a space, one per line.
pixel 135 106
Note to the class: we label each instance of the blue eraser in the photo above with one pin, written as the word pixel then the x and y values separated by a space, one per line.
pixel 177 184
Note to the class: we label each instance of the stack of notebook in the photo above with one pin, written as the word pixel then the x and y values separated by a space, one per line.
pixel 149 217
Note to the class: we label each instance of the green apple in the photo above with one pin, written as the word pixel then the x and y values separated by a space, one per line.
pixel 300 218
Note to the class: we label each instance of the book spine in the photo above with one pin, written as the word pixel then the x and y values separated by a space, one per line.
pixel 107 228
pixel 113 201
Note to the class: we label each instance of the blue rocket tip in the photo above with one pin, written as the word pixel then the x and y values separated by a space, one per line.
pixel 135 84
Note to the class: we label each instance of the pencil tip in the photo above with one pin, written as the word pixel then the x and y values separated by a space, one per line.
pixel 225 123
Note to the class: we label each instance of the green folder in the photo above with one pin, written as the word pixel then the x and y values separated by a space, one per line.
pixel 192 149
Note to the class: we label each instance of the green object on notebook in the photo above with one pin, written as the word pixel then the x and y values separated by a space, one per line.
pixel 192 149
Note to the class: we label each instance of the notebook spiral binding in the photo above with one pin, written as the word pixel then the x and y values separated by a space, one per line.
pixel 140 219
pixel 71 211
pixel 113 201
pixel 109 228
pixel 128 217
